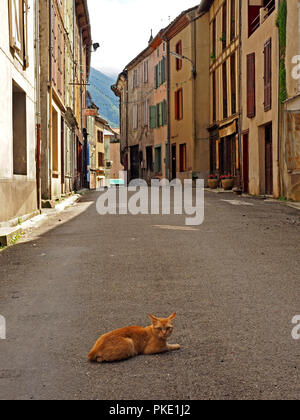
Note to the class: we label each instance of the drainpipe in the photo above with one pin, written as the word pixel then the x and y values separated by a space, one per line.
pixel 169 108
pixel 279 122
pixel 194 52
pixel 240 98
pixel 49 148
pixel 38 105
pixel 127 121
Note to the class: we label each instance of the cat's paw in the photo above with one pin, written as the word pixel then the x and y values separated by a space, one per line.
pixel 174 347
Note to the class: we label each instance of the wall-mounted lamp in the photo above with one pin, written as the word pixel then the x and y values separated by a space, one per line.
pixel 96 46
pixel 182 57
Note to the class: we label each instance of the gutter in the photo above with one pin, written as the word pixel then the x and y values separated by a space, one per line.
pixel 38 105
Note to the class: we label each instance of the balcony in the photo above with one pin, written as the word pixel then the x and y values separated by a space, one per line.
pixel 257 15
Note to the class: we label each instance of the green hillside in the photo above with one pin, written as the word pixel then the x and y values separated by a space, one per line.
pixel 104 98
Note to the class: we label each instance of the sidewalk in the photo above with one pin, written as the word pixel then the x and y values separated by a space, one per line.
pixel 10 233
pixel 294 205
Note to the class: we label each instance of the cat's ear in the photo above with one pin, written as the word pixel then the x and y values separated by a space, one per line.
pixel 172 316
pixel 153 318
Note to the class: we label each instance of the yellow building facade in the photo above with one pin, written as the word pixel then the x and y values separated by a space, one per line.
pixel 188 81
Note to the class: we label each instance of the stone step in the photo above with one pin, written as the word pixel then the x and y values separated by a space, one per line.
pixel 7 234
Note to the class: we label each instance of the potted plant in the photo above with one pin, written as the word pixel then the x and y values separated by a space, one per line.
pixel 227 182
pixel 213 182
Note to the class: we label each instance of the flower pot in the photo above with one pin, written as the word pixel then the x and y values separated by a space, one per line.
pixel 213 184
pixel 227 184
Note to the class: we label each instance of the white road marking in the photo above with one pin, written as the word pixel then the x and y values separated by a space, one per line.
pixel 183 228
pixel 238 203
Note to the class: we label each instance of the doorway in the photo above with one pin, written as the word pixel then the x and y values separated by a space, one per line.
pixel 246 162
pixel 174 162
pixel 269 160
pixel 134 162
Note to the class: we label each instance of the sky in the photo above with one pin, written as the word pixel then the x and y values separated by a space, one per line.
pixel 123 28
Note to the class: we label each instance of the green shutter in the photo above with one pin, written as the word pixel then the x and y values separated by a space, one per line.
pixel 161 121
pixel 152 116
pixel 156 77
pixel 165 112
pixel 163 70
pixel 167 158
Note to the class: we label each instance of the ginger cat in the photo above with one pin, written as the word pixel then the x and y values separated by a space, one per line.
pixel 128 342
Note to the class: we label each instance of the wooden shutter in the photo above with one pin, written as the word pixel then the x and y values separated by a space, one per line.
pixel 180 104
pixel 268 75
pixel 179 51
pixel 59 59
pixel 163 70
pixel 153 117
pixel 251 97
pixel 176 106
pixel 15 27
pixel 164 113
pixel 25 33
pixel 53 39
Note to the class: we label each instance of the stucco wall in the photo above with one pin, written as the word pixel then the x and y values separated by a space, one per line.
pixel 256 125
pixel 17 193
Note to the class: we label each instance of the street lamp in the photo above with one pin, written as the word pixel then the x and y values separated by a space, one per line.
pixel 182 57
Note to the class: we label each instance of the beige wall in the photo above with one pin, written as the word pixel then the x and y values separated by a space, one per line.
pixel 256 125
pixel 142 135
pixel 161 94
pixel 17 192
pixel 192 129
pixel 290 139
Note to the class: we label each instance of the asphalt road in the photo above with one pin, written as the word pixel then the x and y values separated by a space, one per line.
pixel 234 282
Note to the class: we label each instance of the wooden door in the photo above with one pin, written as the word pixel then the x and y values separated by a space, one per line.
pixel 174 162
pixel 134 162
pixel 269 160
pixel 246 162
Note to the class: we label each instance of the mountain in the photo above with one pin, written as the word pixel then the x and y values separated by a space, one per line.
pixel 103 96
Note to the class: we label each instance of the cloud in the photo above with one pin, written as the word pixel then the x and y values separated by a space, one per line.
pixel 123 27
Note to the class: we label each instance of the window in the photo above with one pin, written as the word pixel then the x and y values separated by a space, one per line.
pixel 100 160
pixel 160 73
pixel 19 131
pixel 179 51
pixel 214 39
pixel 232 20
pixel 182 155
pixel 165 112
pixel 146 112
pixel 179 104
pixel 157 164
pixel 18 29
pixel 100 136
pixel 146 72
pixel 135 79
pixel 214 95
pixel 251 95
pixel 255 17
pixel 55 167
pixel 268 75
pixel 233 83
pixel 224 25
pixel 135 116
pixel 225 103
